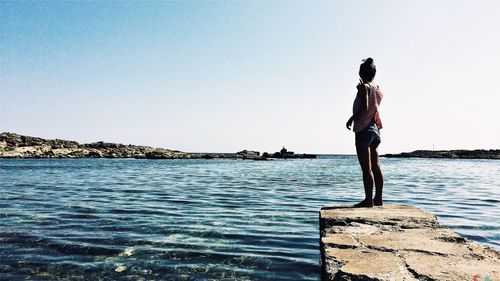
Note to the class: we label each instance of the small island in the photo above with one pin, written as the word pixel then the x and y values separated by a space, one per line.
pixel 285 154
pixel 450 154
pixel 13 145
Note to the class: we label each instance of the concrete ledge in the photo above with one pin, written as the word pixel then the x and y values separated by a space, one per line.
pixel 398 242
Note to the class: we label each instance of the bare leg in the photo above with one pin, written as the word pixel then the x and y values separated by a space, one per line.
pixel 378 176
pixel 365 163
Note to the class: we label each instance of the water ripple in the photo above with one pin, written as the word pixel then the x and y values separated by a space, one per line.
pixel 126 219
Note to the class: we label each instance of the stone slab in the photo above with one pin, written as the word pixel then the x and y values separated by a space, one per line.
pixel 398 242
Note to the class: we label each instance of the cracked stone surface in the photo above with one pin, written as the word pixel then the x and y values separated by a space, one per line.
pixel 398 242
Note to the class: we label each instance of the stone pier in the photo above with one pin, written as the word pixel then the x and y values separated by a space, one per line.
pixel 398 242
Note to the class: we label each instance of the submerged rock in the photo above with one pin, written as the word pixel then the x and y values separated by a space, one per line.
pixel 398 242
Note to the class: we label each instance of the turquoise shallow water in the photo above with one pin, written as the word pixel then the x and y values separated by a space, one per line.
pixel 114 219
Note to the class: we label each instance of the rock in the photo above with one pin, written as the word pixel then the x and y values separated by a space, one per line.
pixel 159 154
pixel 285 154
pixel 247 154
pixel 120 268
pixel 368 265
pixel 453 154
pixel 449 267
pixel 94 153
pixel 18 146
pixel 16 140
pixel 398 242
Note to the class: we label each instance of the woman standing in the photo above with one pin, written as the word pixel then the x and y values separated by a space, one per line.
pixel 367 124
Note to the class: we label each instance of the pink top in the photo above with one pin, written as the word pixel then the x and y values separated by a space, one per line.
pixel 372 112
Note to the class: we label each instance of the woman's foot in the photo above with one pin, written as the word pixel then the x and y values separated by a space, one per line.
pixel 378 201
pixel 364 204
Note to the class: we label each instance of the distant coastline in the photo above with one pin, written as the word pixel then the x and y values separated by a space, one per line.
pixel 449 154
pixel 13 145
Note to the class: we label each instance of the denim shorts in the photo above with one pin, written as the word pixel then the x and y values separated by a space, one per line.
pixel 368 137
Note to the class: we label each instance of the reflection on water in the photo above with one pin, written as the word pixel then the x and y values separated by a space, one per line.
pixel 211 219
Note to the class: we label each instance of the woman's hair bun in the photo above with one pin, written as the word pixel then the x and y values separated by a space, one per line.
pixel 367 70
pixel 368 61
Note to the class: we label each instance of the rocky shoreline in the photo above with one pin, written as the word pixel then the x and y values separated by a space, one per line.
pixel 13 145
pixel 450 154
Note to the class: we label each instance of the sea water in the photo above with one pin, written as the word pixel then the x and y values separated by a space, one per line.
pixel 126 219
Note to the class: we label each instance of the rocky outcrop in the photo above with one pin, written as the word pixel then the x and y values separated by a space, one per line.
pixel 285 154
pixel 246 154
pixel 18 146
pixel 454 154
pixel 398 242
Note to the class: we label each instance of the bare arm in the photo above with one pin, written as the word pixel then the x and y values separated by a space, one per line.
pixel 362 95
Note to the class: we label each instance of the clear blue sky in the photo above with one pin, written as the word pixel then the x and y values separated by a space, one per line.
pixel 227 76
